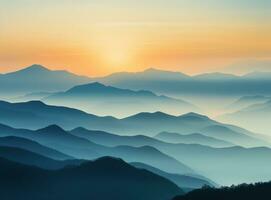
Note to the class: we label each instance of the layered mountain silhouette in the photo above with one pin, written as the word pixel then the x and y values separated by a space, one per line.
pixel 246 101
pixel 18 142
pixel 31 154
pixel 190 123
pixel 178 84
pixel 244 191
pixel 255 117
pixel 248 66
pixel 223 165
pixel 106 100
pixel 133 136
pixel 183 181
pixel 37 78
pixel 105 178
pixel 194 138
pixel 30 158
pixel 35 114
pixel 56 138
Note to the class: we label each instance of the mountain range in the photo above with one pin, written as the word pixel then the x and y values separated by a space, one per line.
pixel 56 138
pixel 135 135
pixel 37 78
pixel 246 101
pixel 104 178
pixel 248 66
pixel 223 165
pixel 194 138
pixel 185 182
pixel 31 153
pixel 179 84
pixel 206 93
pixel 255 116
pixel 34 159
pixel 29 145
pixel 35 115
pixel 208 161
pixel 106 100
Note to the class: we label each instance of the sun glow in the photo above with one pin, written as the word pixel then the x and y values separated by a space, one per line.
pixel 116 57
pixel 97 38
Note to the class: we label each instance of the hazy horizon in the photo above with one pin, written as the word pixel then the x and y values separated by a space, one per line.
pixel 101 37
pixel 240 68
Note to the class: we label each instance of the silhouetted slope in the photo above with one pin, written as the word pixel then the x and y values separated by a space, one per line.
pixel 260 191
pixel 151 156
pixel 178 84
pixel 228 134
pixel 191 123
pixel 223 165
pixel 183 181
pixel 80 148
pixel 256 117
pixel 194 138
pixel 103 179
pixel 31 158
pixel 35 114
pixel 37 78
pixel 103 100
pixel 18 142
pixel 246 101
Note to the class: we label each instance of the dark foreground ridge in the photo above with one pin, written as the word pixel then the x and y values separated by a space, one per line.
pixel 261 191
pixel 103 179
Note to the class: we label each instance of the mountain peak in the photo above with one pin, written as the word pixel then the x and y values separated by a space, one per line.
pixel 35 68
pixel 96 84
pixel 108 158
pixel 164 72
pixel 52 129
pixel 215 75
pixel 194 115
pixel 107 163
pixel 36 103
pixel 144 115
pixel 151 69
pixel 90 87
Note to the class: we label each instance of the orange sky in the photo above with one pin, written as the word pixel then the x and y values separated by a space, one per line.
pixel 100 37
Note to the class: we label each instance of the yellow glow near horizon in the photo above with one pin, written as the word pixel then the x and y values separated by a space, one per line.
pixel 99 37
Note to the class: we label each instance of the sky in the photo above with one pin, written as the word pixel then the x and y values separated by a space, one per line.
pixel 99 37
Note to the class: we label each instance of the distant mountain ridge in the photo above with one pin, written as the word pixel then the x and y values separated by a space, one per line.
pixel 246 101
pixel 194 138
pixel 256 116
pixel 34 115
pixel 228 161
pixel 159 81
pixel 37 78
pixel 55 137
pixel 183 181
pixel 178 84
pixel 107 100
pixel 210 161
pixel 31 154
pixel 19 142
pixel 23 156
